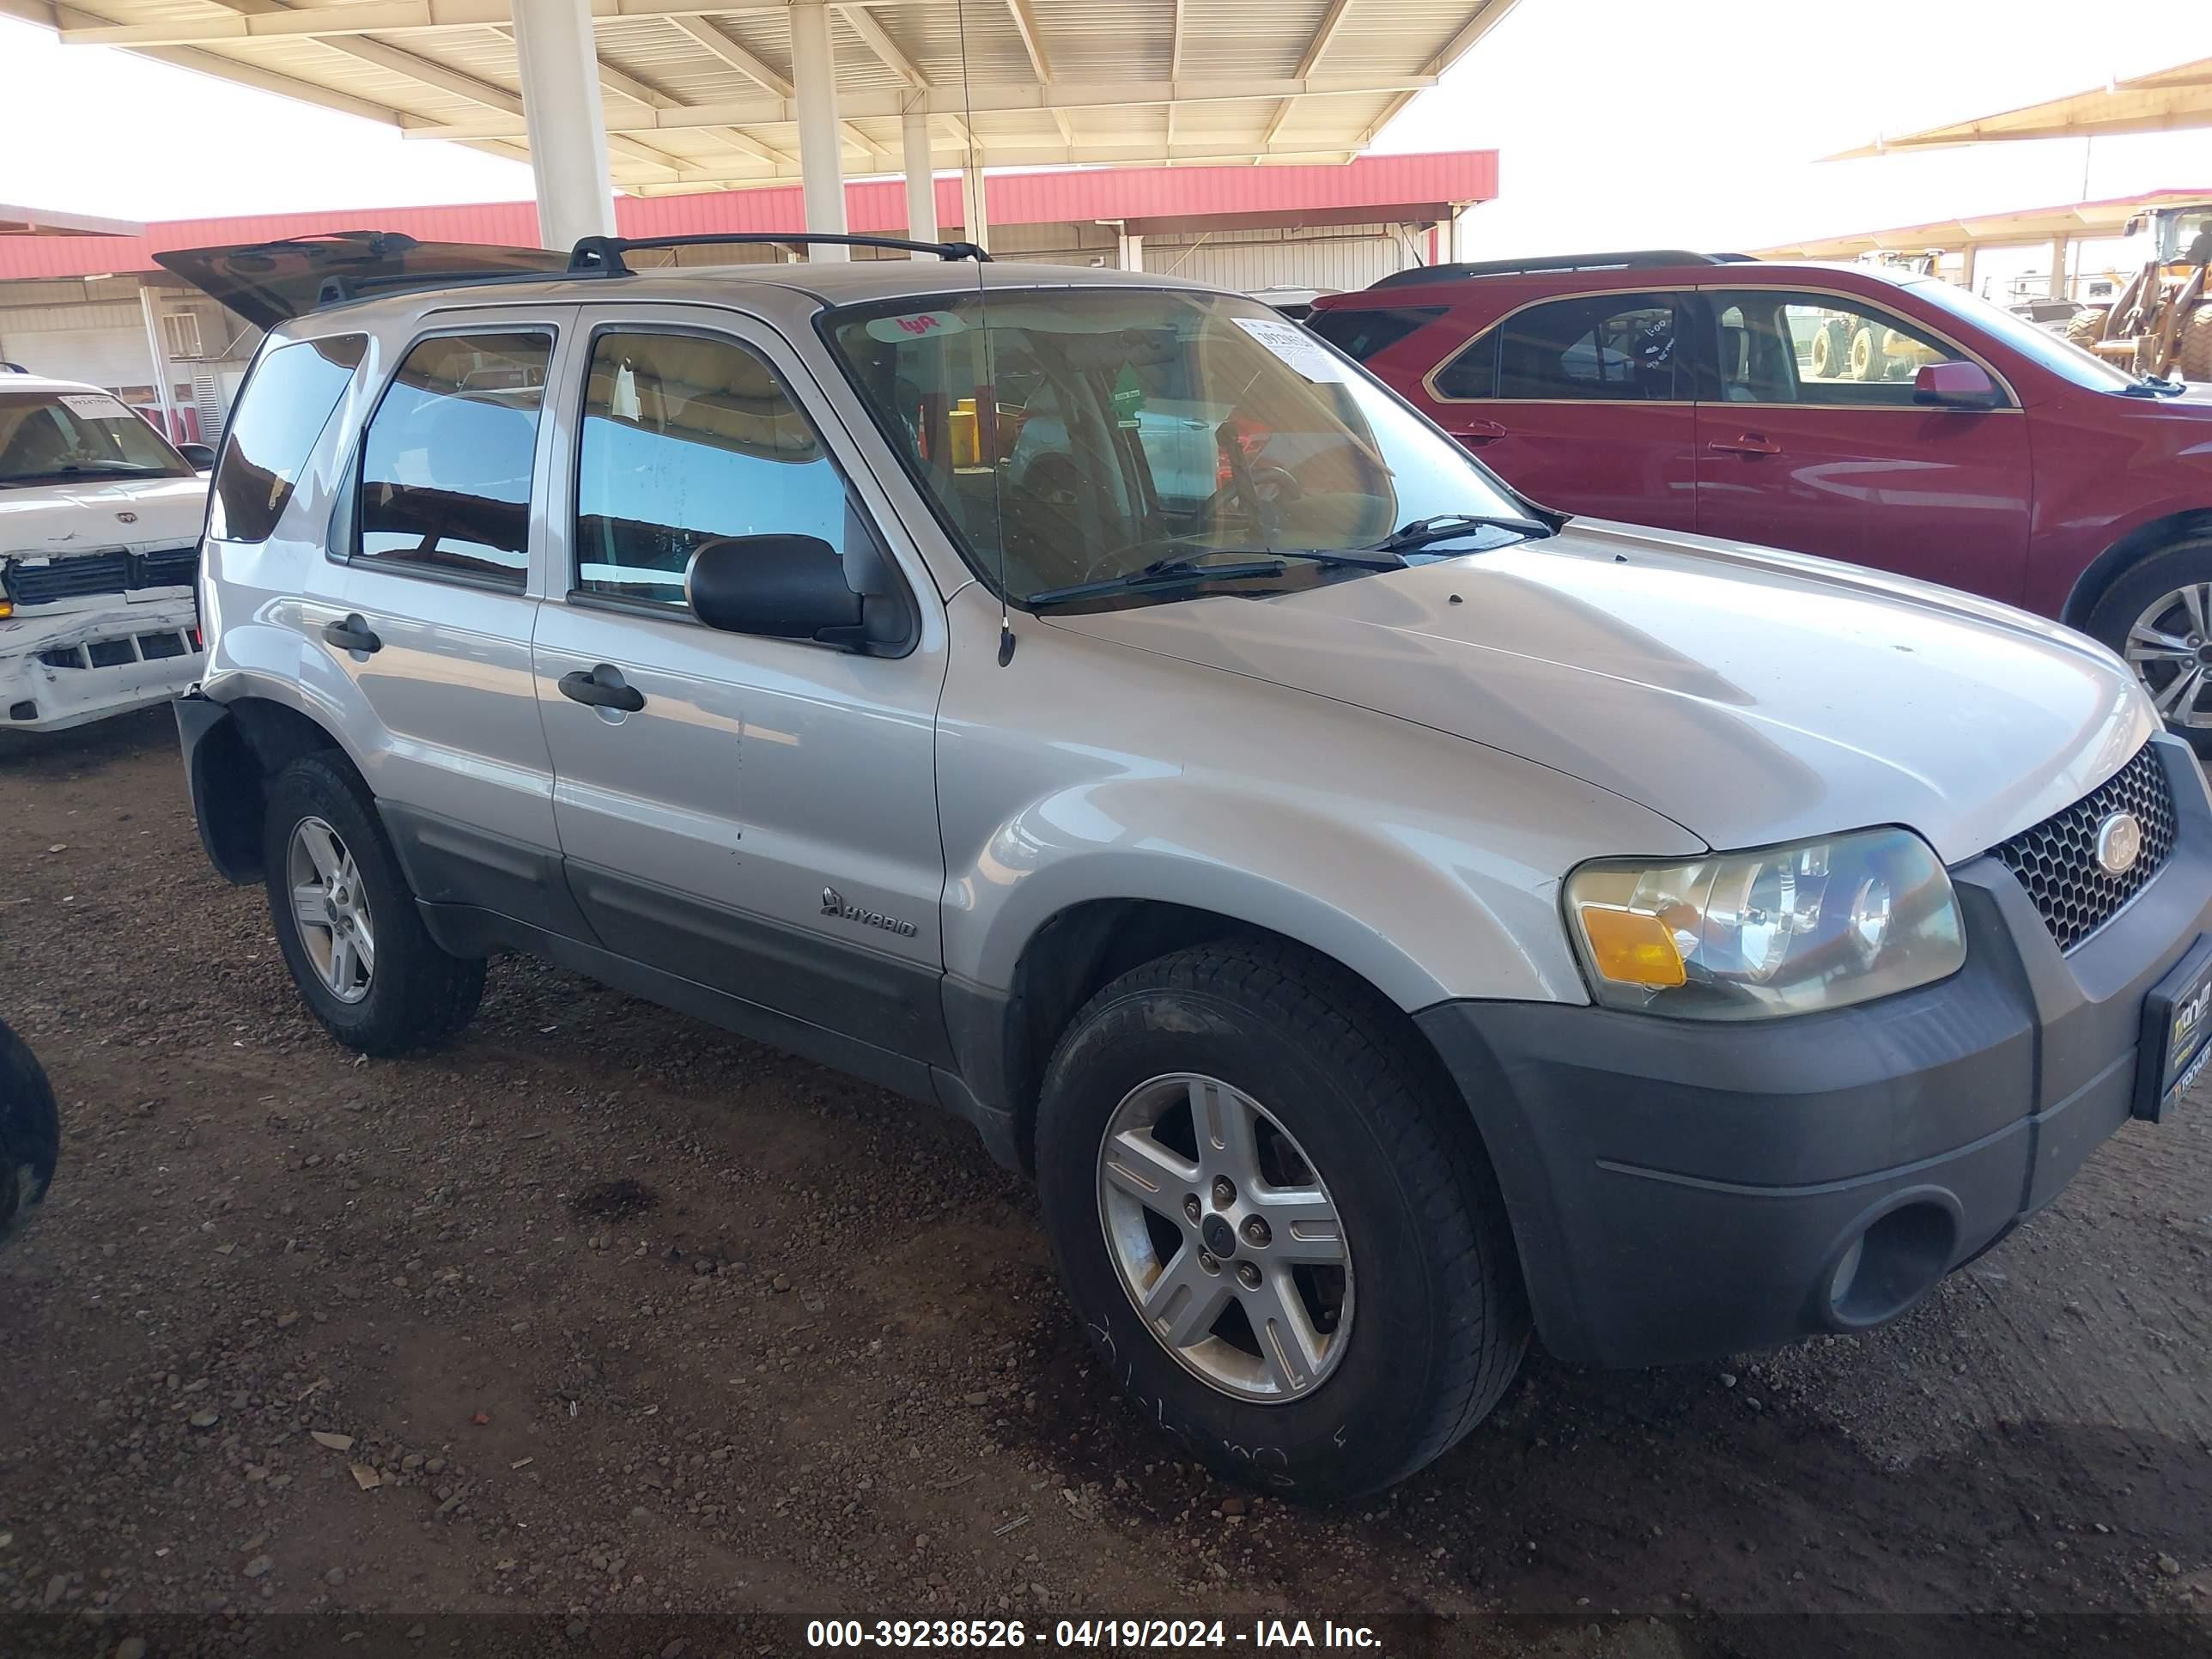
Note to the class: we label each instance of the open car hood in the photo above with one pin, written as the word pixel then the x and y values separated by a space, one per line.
pixel 269 284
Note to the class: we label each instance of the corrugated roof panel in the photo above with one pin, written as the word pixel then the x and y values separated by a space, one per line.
pixel 1088 42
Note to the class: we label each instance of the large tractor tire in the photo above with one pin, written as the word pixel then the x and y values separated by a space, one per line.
pixel 2089 326
pixel 1870 354
pixel 2196 362
pixel 1832 350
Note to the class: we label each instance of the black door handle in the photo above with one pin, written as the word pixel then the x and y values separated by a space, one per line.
pixel 603 687
pixel 352 634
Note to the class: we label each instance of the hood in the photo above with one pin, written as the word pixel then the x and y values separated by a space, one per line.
pixel 1750 696
pixel 56 521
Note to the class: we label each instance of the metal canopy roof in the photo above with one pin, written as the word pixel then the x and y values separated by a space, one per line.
pixel 2164 101
pixel 2024 225
pixel 699 93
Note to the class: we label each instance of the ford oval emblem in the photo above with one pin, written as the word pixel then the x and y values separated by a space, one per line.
pixel 2119 843
pixel 128 518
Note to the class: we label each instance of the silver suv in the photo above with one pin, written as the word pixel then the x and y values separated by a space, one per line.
pixel 1383 916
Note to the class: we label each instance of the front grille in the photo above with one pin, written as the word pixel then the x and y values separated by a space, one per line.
pixel 167 566
pixel 73 578
pixel 84 575
pixel 2057 860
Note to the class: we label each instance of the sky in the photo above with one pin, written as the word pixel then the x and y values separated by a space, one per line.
pixel 1620 123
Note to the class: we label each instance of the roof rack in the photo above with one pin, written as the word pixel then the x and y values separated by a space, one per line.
pixel 1630 260
pixel 602 256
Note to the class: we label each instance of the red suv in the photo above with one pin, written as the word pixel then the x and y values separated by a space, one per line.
pixel 1888 420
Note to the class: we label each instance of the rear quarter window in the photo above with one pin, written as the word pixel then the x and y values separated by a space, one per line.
pixel 279 417
pixel 1362 331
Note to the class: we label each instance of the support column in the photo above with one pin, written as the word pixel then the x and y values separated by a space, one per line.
pixel 821 166
pixel 1131 251
pixel 920 177
pixel 1966 264
pixel 149 306
pixel 559 65
pixel 975 224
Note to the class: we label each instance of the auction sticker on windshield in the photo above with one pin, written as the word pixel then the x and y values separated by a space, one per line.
pixel 1295 346
pixel 94 406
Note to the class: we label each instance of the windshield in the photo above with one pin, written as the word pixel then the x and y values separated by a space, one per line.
pixel 47 435
pixel 2051 351
pixel 1130 429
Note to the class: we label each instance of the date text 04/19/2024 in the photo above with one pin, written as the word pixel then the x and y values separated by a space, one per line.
pixel 1112 1635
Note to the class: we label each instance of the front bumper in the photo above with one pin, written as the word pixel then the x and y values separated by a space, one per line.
pixel 60 671
pixel 1683 1191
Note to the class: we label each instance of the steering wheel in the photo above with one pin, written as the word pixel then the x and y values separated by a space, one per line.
pixel 1272 486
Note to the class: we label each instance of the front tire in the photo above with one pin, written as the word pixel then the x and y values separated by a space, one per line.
pixel 1275 1225
pixel 346 921
pixel 2157 614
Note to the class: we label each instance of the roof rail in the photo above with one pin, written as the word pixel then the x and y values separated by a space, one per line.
pixel 602 256
pixel 1632 259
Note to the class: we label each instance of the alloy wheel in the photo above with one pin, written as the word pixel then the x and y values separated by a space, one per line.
pixel 1225 1237
pixel 2170 648
pixel 336 929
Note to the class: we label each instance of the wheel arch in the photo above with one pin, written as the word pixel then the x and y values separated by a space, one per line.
pixel 1005 1042
pixel 2145 539
pixel 232 749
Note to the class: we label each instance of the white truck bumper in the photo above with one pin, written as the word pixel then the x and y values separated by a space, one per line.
pixel 60 671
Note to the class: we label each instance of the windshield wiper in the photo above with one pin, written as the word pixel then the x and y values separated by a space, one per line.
pixel 1444 526
pixel 1161 573
pixel 2150 385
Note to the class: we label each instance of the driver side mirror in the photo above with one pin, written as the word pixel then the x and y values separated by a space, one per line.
pixel 1955 385
pixel 202 456
pixel 788 587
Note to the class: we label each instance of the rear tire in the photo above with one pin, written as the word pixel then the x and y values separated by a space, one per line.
pixel 1394 1356
pixel 410 994
pixel 2196 361
pixel 30 1134
pixel 2151 595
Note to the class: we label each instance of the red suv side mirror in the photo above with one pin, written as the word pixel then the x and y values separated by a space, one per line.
pixel 1955 385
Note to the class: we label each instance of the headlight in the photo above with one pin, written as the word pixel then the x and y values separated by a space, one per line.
pixel 1783 930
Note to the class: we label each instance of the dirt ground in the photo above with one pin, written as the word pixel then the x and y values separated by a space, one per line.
pixel 625 1319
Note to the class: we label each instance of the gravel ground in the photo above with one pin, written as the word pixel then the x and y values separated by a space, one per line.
pixel 604 1317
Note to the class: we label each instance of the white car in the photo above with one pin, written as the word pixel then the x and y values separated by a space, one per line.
pixel 100 525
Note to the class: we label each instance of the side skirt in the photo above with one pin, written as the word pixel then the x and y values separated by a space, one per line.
pixel 467 930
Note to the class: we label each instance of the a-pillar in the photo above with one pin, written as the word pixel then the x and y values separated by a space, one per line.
pixel 558 64
pixel 821 165
pixel 920 177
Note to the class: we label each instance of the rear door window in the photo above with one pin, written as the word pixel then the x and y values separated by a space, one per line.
pixel 1361 331
pixel 1600 348
pixel 279 418
pixel 445 466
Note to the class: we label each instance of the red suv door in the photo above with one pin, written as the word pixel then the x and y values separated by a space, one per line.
pixel 1582 404
pixel 1808 438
